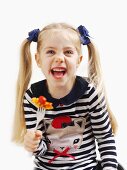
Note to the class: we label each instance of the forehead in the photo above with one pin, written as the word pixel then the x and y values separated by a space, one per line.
pixel 59 37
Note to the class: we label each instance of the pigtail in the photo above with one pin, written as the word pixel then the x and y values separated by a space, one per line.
pixel 24 75
pixel 95 77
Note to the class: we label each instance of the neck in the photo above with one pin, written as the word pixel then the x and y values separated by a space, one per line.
pixel 60 91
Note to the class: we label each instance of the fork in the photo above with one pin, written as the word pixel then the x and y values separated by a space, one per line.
pixel 40 116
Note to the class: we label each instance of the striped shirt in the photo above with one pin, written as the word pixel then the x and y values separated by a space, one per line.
pixel 71 129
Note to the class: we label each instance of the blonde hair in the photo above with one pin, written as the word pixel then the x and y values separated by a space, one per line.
pixel 25 72
pixel 95 77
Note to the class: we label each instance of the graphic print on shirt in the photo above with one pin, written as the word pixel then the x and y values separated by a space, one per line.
pixel 64 135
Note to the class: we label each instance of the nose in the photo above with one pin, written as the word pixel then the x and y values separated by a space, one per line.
pixel 59 59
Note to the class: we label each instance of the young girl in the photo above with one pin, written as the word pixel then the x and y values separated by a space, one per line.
pixel 63 135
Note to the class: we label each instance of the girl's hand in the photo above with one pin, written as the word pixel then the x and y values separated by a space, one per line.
pixel 32 139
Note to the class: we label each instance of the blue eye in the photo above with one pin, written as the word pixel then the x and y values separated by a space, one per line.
pixel 50 52
pixel 69 52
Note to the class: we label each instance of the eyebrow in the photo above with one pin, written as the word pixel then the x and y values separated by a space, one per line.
pixel 56 48
pixel 48 47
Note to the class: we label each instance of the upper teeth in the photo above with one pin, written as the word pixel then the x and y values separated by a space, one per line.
pixel 58 69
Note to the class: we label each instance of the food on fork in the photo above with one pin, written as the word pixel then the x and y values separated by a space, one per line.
pixel 41 102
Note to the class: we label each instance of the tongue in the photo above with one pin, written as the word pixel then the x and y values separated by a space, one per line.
pixel 58 74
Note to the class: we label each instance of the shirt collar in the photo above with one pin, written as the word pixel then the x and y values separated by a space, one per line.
pixel 77 92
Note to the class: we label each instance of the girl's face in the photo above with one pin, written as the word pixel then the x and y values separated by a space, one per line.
pixel 58 59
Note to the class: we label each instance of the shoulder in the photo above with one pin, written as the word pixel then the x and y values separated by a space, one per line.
pixel 34 90
pixel 38 84
pixel 91 92
pixel 85 81
pixel 38 87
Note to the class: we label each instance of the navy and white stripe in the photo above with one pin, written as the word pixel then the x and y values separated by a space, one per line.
pixel 93 108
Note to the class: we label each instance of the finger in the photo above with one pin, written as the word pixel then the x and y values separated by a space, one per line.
pixel 30 133
pixel 38 134
pixel 32 142
pixel 31 148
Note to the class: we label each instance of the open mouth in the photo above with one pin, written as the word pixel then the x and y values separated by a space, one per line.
pixel 58 72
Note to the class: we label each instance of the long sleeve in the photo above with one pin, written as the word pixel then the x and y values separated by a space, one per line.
pixel 31 120
pixel 102 130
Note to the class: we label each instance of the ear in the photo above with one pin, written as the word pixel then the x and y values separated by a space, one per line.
pixel 38 60
pixel 79 61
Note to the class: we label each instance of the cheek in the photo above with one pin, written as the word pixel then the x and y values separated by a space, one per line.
pixel 75 65
pixel 72 63
pixel 45 67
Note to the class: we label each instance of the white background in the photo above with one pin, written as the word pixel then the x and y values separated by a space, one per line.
pixel 106 22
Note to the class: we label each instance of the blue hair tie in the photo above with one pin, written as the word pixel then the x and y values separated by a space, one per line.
pixel 33 35
pixel 84 35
